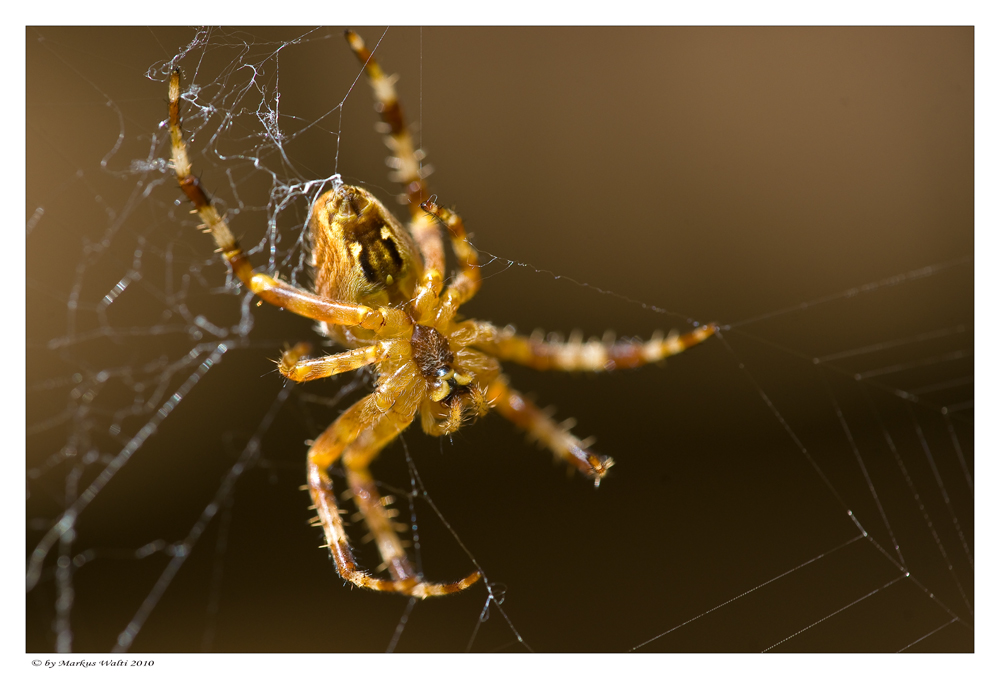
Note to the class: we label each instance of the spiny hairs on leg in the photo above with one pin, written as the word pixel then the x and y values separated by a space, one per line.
pixel 570 356
pixel 343 556
pixel 354 439
pixel 406 158
pixel 210 218
pixel 594 355
pixel 527 416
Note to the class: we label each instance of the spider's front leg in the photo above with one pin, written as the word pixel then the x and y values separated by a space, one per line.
pixel 356 438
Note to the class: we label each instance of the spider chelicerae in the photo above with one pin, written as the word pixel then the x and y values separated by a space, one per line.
pixel 380 291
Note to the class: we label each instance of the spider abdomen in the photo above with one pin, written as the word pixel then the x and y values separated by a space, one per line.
pixel 361 253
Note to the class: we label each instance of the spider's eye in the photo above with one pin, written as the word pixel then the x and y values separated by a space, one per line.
pixel 442 371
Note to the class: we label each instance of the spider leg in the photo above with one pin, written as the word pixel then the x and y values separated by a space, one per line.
pixel 591 356
pixel 556 437
pixel 297 367
pixel 407 171
pixel 405 158
pixel 378 519
pixel 357 436
pixel 468 281
pixel 454 414
pixel 271 290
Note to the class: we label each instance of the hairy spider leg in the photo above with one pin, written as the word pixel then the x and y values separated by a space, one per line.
pixel 357 436
pixel 297 367
pixel 569 356
pixel 555 436
pixel 467 283
pixel 591 356
pixel 405 162
pixel 383 320
pixel 406 158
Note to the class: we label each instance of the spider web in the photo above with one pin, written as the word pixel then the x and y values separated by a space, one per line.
pixel 804 483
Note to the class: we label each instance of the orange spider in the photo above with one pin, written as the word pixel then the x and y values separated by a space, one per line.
pixel 379 290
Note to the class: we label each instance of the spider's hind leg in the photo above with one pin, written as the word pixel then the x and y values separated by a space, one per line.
pixel 405 579
pixel 356 437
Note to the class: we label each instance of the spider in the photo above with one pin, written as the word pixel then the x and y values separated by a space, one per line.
pixel 380 291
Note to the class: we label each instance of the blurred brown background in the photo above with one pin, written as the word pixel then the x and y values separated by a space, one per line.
pixel 716 174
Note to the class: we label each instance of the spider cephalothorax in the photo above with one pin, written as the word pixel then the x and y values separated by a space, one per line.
pixel 455 388
pixel 379 290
